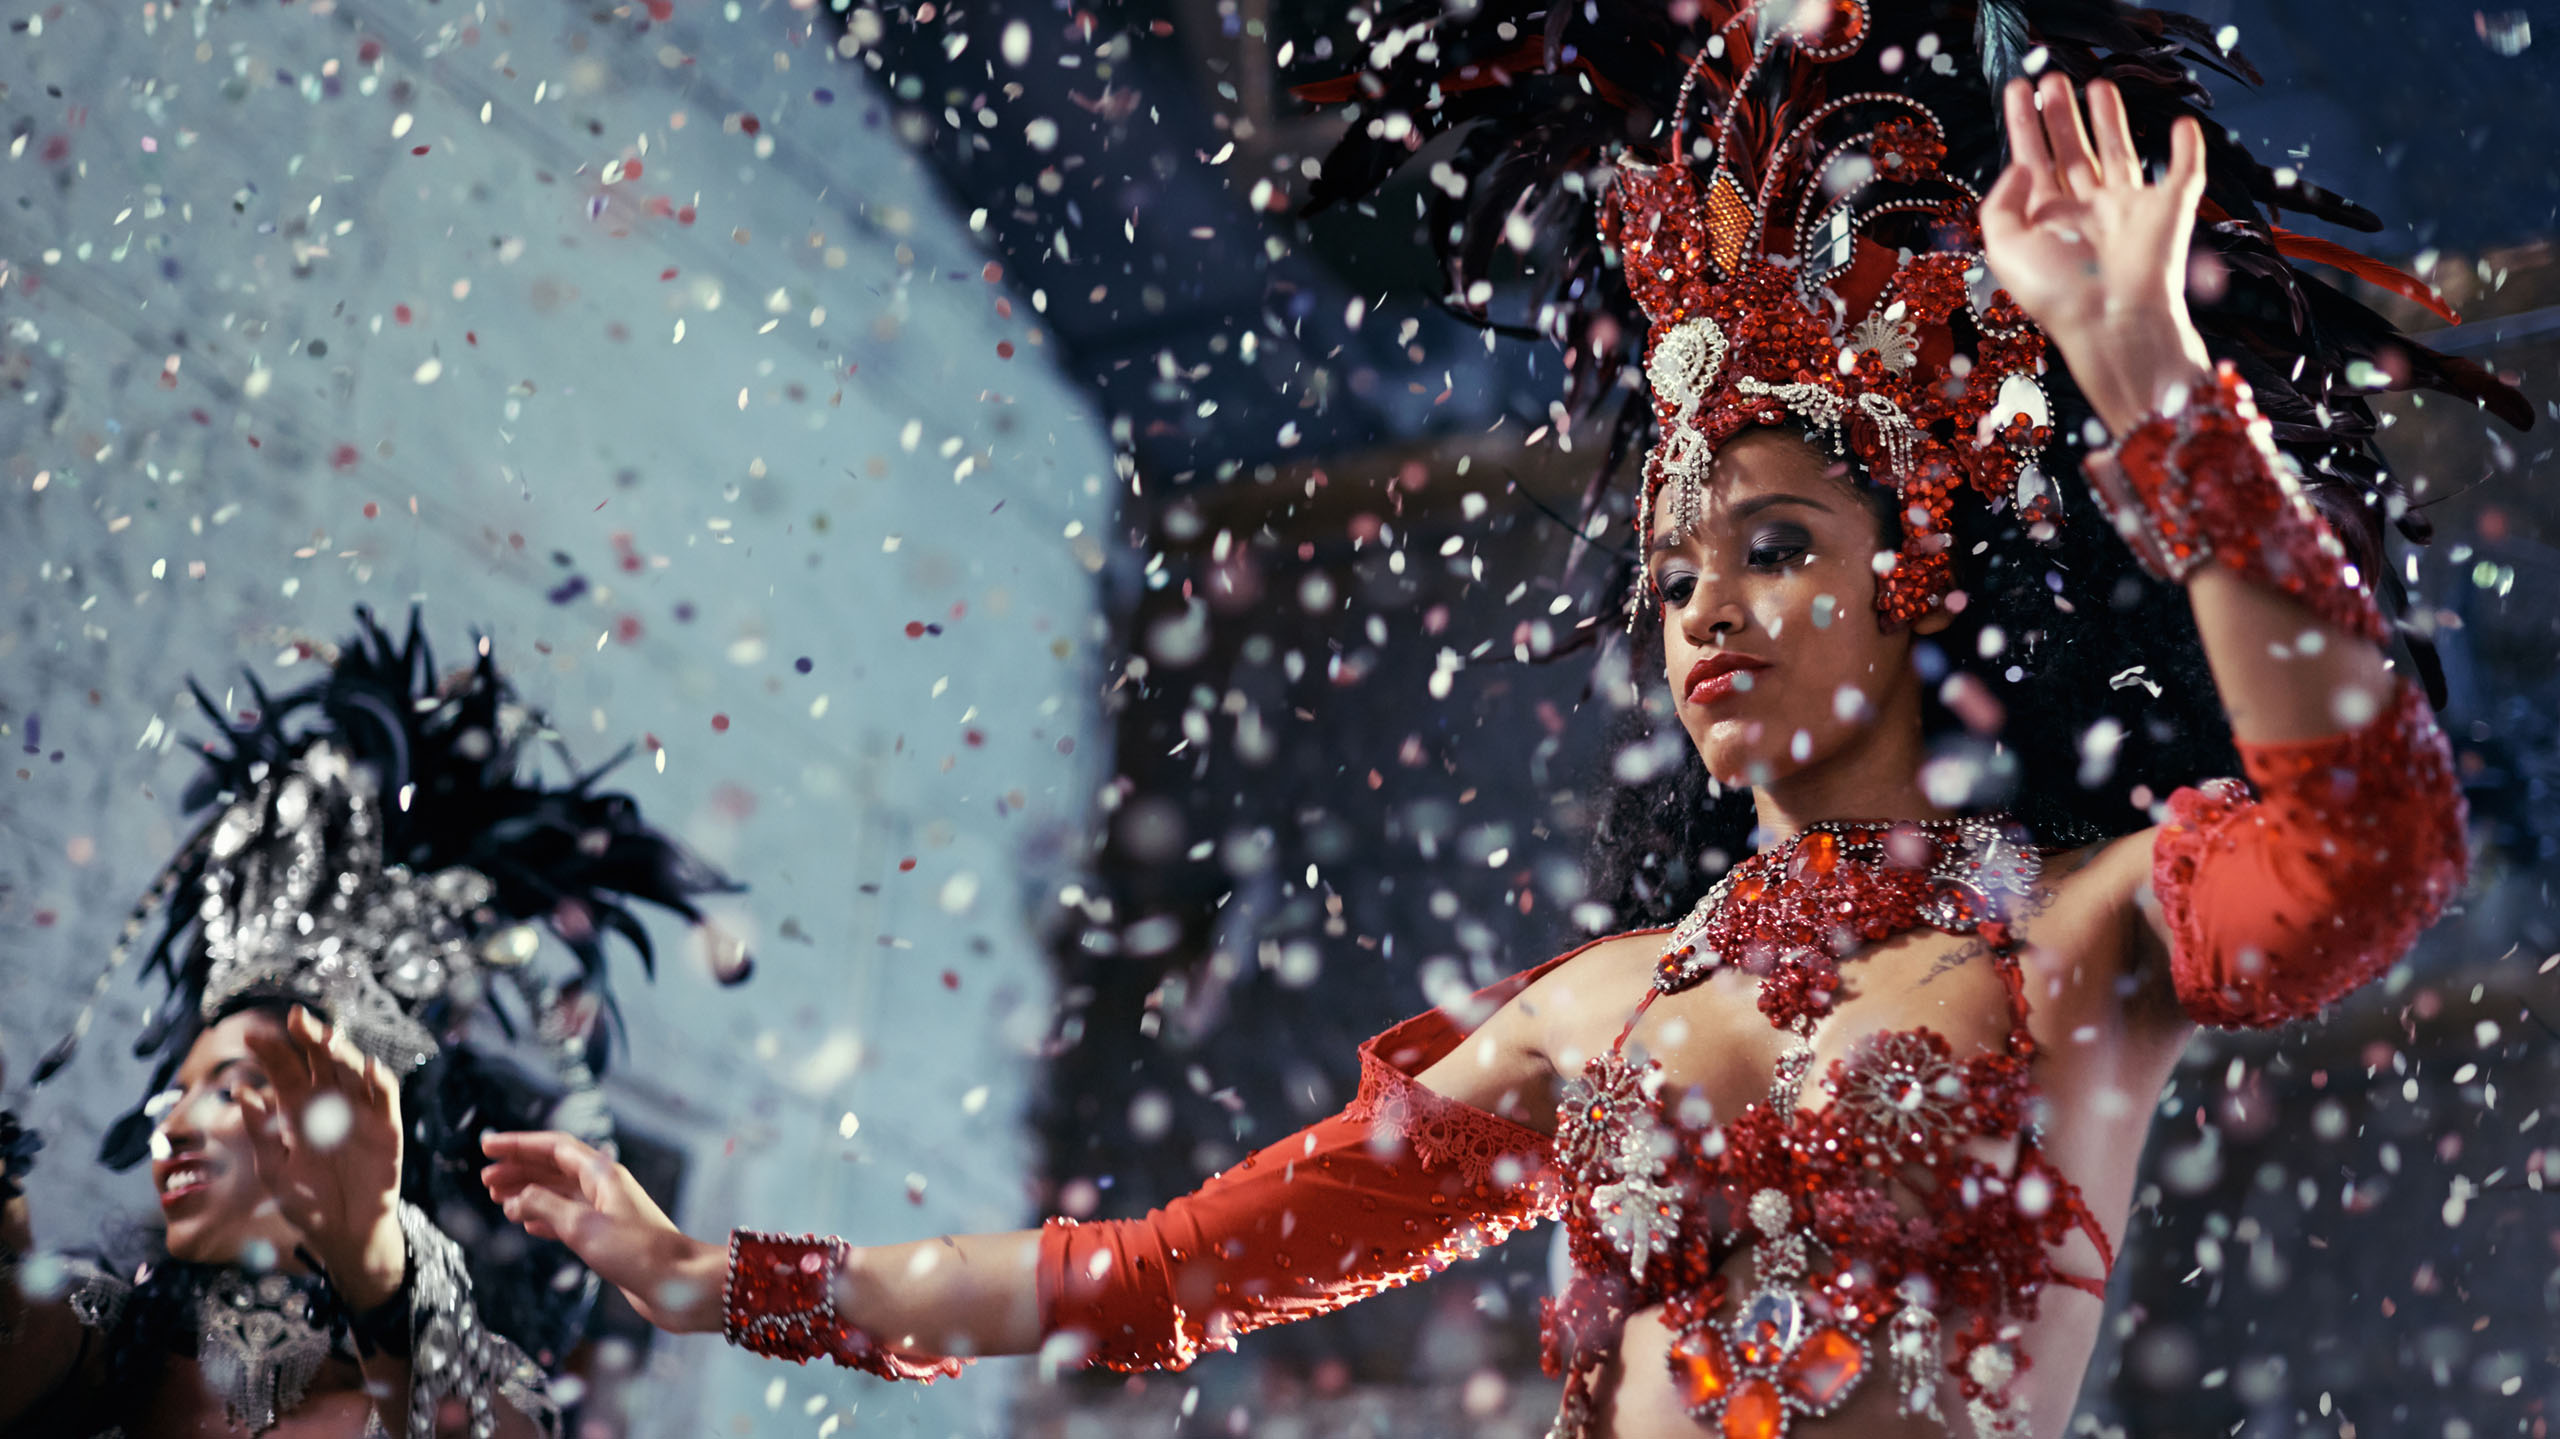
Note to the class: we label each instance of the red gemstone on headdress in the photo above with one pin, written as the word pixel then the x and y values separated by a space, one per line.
pixel 1701 1367
pixel 1755 1411
pixel 1825 1369
pixel 1728 221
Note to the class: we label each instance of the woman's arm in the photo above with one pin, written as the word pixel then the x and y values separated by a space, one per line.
pixel 2266 906
pixel 1442 1149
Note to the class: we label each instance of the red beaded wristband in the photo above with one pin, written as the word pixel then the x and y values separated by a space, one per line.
pixel 2205 482
pixel 780 1300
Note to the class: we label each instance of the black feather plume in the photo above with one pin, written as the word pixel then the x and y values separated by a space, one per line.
pixel 447 754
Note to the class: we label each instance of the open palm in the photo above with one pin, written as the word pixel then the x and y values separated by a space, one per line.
pixel 326 1143
pixel 2091 247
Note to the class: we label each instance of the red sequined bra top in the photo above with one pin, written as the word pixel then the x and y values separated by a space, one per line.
pixel 1871 1210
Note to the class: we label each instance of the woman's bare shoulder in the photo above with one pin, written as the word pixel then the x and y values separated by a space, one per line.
pixel 1509 1066
pixel 1592 993
pixel 1602 969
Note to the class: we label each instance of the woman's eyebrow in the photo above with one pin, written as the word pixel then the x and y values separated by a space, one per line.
pixel 1742 510
pixel 225 1067
pixel 1747 508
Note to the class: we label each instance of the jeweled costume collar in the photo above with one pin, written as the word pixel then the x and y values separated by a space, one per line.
pixel 1791 912
pixel 1834 1276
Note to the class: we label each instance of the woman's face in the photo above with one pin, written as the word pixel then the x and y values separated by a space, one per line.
pixel 200 1159
pixel 1769 630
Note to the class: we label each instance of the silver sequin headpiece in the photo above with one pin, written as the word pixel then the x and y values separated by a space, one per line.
pixel 298 903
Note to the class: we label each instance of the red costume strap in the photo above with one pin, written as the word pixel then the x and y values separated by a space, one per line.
pixel 2280 904
pixel 2205 482
pixel 1390 1190
pixel 780 1300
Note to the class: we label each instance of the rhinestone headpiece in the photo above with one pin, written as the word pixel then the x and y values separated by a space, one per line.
pixel 297 903
pixel 1807 259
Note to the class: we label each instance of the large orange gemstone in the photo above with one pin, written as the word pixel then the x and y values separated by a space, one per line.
pixel 1822 853
pixel 1701 1367
pixel 1729 220
pixel 1755 1411
pixel 1824 1371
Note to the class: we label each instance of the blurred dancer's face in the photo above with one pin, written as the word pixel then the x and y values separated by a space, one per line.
pixel 1769 630
pixel 217 1210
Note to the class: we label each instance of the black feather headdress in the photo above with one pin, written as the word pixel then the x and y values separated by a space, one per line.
pixel 382 813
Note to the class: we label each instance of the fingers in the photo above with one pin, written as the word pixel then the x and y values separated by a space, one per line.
pixel 287 1063
pixel 2118 161
pixel 571 1166
pixel 549 1215
pixel 504 1181
pixel 564 1152
pixel 2066 137
pixel 2005 203
pixel 269 1148
pixel 2186 160
pixel 2026 129
pixel 335 1060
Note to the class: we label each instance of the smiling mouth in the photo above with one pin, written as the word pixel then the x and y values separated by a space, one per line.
pixel 184 1181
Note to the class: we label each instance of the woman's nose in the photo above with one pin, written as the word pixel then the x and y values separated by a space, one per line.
pixel 1712 613
pixel 177 1127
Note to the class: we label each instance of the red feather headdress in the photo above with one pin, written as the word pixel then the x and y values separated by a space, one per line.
pixel 1771 205
pixel 1809 258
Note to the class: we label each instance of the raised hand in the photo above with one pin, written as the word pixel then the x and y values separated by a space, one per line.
pixel 559 1188
pixel 326 1142
pixel 2094 250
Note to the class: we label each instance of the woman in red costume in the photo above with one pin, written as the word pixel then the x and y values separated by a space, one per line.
pixel 1848 1147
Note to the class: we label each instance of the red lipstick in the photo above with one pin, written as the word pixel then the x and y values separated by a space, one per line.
pixel 1718 676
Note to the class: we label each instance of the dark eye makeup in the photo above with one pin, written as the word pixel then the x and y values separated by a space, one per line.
pixel 1772 547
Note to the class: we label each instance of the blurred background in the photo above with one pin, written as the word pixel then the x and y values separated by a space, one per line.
pixel 1121 631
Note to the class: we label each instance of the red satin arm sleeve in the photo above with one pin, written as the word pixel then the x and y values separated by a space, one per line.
pixel 2280 904
pixel 1392 1189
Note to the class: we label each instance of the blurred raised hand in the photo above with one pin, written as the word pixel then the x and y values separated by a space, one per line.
pixel 325 1138
pixel 560 1188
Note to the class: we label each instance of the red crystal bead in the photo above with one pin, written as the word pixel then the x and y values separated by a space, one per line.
pixel 1755 1411
pixel 1701 1367
pixel 1825 1369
